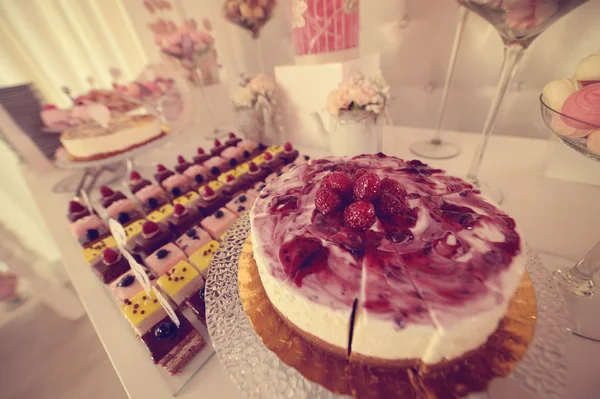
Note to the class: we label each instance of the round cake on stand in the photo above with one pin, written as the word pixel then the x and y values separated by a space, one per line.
pixel 427 295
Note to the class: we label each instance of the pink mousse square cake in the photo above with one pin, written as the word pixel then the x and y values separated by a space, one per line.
pixel 198 175
pixel 218 223
pixel 164 258
pixel 126 285
pixel 241 203
pixel 176 185
pixel 233 155
pixel 216 162
pixel 193 239
pixel 88 230
pixel 151 197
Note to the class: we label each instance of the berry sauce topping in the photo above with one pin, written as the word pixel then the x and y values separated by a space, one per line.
pixel 430 238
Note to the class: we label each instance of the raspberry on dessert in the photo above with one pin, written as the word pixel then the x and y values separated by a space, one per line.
pixel 367 187
pixel 339 182
pixel 232 135
pixel 230 178
pixel 252 167
pixel 207 191
pixel 181 159
pixel 268 156
pixel 327 201
pixel 110 256
pixel 75 207
pixel 160 168
pixel 288 147
pixel 134 175
pixel 106 191
pixel 388 205
pixel 149 227
pixel 359 215
pixel 393 187
pixel 179 209
pixel 359 173
pixel 200 151
pixel 217 143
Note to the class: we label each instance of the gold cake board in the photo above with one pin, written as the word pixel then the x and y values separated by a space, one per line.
pixel 454 379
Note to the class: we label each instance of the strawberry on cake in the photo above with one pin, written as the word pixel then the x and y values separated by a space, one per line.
pixel 384 261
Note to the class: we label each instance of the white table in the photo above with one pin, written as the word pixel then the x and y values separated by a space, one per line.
pixel 555 217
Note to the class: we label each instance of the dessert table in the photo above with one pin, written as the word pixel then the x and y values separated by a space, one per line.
pixel 558 218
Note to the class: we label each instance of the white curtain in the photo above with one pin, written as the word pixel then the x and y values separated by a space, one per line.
pixel 56 43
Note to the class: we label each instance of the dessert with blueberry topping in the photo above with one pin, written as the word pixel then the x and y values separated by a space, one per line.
pixel 384 261
pixel 193 239
pixel 216 165
pixel 233 155
pixel 124 211
pixel 164 258
pixel 218 223
pixel 183 218
pixel 126 286
pixel 109 196
pixel 110 265
pixel 241 203
pixel 152 237
pixel 173 347
pixel 198 175
pixel 151 197
pixel 89 230
pixel 249 148
pixel 201 156
pixel 254 174
pixel 136 182
pixel 176 185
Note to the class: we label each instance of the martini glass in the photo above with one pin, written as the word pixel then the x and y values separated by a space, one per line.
pixel 582 296
pixel 518 22
pixel 436 148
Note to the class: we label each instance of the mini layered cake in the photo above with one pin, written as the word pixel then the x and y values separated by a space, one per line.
pixel 143 311
pixel 201 258
pixel 181 282
pixel 271 163
pixel 176 185
pixel 218 223
pixel 387 262
pixel 136 182
pixel 182 164
pixel 198 176
pixel 77 211
pixel 216 165
pixel 241 203
pixel 210 201
pixel 164 258
pixel 151 197
pixel 201 156
pixel 91 141
pixel 124 211
pixel 162 173
pixel 218 148
pixel 289 154
pixel 170 346
pixel 109 196
pixel 110 265
pixel 183 219
pixel 232 140
pixel 126 286
pixel 153 236
pixel 193 240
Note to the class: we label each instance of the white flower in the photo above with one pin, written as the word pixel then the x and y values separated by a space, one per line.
pixel 243 97
pixel 299 7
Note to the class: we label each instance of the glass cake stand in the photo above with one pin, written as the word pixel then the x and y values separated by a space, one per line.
pixel 259 373
pixel 578 281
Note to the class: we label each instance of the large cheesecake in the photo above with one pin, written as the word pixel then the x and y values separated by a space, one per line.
pixel 385 261
pixel 91 141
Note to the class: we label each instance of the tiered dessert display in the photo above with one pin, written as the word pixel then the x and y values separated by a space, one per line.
pixel 571 109
pixel 518 23
pixel 376 277
pixel 173 227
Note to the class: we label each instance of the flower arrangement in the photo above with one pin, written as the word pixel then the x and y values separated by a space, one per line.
pixel 193 48
pixel 255 92
pixel 359 94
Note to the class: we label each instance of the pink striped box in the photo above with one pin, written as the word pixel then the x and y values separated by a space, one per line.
pixel 324 26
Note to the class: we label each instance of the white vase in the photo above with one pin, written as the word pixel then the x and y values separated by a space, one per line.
pixel 354 134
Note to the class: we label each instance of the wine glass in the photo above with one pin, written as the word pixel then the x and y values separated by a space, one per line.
pixel 518 22
pixel 436 148
pixel 578 280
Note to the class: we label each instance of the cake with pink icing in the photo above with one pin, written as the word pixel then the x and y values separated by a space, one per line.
pixel 385 261
pixel 123 211
pixel 233 155
pixel 89 229
pixel 198 176
pixel 216 165
pixel 176 185
pixel 151 197
pixel 218 223
pixel 241 203
pixel 164 258
pixel 126 286
pixel 193 239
